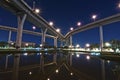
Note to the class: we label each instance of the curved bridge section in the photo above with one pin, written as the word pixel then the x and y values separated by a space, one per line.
pixel 102 22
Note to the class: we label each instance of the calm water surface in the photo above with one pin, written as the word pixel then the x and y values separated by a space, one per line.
pixel 70 66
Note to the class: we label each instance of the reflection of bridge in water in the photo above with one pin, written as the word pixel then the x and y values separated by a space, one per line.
pixel 24 12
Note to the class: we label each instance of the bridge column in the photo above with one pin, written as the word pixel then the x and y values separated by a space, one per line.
pixel 101 37
pixel 55 54
pixel 67 42
pixel 71 40
pixel 21 20
pixel 42 55
pixel 9 37
pixel 43 37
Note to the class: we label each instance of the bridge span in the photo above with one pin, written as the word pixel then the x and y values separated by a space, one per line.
pixel 24 31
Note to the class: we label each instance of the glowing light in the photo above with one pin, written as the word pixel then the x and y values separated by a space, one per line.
pixel 79 24
pixel 88 57
pixel 107 44
pixel 77 55
pixel 118 5
pixel 12 43
pixel 77 46
pixel 87 45
pixel 71 74
pixel 25 54
pixel 94 16
pixel 40 53
pixel 48 78
pixel 58 30
pixel 26 44
pixel 33 27
pixel 108 61
pixel 37 10
pixel 41 45
pixel 30 73
pixel 51 23
pixel 57 71
pixel 71 28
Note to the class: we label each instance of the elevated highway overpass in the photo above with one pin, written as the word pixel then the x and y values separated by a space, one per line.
pixel 20 7
pixel 98 23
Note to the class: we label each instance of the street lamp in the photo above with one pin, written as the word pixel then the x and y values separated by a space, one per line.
pixel 77 46
pixel 119 5
pixel 107 44
pixel 71 28
pixel 79 24
pixel 37 10
pixel 87 45
pixel 33 27
pixel 94 17
pixel 58 30
pixel 41 45
pixel 51 23
pixel 26 44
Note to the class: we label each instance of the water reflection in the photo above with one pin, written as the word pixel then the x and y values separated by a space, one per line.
pixel 58 66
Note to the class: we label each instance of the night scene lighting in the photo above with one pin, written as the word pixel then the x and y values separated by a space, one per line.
pixel 69 40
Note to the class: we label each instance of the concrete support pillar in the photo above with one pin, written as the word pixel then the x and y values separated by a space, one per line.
pixel 101 37
pixel 103 69
pixel 55 54
pixel 21 21
pixel 42 55
pixel 67 43
pixel 55 42
pixel 43 37
pixel 71 40
pixel 9 37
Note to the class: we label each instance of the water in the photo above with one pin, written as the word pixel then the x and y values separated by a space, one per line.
pixel 70 66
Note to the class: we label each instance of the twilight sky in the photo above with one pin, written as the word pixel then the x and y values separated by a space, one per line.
pixel 66 14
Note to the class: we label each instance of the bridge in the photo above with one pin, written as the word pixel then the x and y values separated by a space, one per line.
pixel 99 23
pixel 24 12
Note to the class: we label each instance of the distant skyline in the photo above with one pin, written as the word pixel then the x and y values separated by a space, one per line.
pixel 66 14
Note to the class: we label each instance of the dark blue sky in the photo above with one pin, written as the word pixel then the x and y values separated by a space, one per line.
pixel 66 14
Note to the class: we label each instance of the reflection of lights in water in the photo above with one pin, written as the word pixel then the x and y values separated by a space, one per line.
pixel 57 71
pixel 71 74
pixel 108 61
pixel 38 53
pixel 48 78
pixel 95 54
pixel 78 55
pixel 30 73
pixel 25 54
pixel 88 57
